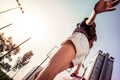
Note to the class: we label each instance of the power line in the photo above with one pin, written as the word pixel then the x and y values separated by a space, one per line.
pixel 20 6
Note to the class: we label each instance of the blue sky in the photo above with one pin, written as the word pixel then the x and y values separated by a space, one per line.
pixel 48 23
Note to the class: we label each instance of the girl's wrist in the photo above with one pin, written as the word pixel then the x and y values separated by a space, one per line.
pixel 91 19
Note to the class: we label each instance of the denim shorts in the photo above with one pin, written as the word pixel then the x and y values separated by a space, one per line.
pixel 81 44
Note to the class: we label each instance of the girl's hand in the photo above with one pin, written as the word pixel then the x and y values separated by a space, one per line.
pixel 105 6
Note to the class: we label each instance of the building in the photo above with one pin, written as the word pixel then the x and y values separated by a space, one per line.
pixel 100 68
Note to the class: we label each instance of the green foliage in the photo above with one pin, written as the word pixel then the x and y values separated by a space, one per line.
pixel 4 76
pixel 7 45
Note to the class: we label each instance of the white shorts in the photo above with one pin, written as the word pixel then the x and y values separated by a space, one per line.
pixel 81 44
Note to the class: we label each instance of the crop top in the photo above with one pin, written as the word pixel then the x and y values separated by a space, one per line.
pixel 88 30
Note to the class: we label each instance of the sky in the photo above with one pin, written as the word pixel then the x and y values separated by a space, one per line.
pixel 49 23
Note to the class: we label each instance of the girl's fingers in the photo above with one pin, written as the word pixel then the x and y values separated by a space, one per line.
pixel 115 3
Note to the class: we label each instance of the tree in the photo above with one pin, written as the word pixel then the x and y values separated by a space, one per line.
pixel 7 45
pixel 3 76
pixel 20 62
pixel 7 49
pixel 2 42
pixel 6 66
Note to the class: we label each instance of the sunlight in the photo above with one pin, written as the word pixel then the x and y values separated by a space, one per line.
pixel 30 25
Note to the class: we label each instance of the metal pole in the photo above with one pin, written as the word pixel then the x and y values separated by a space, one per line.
pixel 48 56
pixel 5 26
pixel 14 48
pixel 9 10
pixel 19 6
pixel 15 73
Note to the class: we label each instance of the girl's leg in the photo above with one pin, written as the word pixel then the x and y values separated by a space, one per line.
pixel 70 65
pixel 58 63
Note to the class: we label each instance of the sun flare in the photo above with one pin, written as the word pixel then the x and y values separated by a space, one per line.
pixel 31 25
